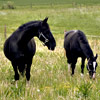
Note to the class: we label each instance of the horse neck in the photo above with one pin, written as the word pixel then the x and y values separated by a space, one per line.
pixel 85 45
pixel 89 53
pixel 28 32
pixel 87 50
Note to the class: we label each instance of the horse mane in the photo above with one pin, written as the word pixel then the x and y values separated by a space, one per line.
pixel 85 45
pixel 24 32
pixel 28 25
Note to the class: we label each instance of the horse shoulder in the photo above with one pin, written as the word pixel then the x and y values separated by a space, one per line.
pixel 31 46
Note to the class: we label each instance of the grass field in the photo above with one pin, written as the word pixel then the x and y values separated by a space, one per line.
pixel 49 77
pixel 50 2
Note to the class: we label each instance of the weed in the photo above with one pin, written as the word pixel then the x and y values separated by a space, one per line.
pixel 84 90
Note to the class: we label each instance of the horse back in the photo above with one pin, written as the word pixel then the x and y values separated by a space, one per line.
pixel 70 39
pixel 77 44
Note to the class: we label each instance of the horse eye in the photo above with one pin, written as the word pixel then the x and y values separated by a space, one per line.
pixel 90 64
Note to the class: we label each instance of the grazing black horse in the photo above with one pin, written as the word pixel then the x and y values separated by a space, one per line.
pixel 76 45
pixel 20 47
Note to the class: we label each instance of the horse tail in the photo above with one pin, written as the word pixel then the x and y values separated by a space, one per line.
pixel 83 42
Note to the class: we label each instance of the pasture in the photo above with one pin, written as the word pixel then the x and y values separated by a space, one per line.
pixel 49 76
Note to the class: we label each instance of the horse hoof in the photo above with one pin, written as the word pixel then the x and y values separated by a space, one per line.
pixel 27 84
pixel 82 75
pixel 16 84
pixel 72 75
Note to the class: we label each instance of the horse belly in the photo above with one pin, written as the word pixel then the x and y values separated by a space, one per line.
pixel 7 49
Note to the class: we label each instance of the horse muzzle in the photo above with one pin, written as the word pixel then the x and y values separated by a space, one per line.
pixel 51 48
pixel 92 75
pixel 51 45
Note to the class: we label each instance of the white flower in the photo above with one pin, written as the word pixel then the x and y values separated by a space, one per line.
pixel 38 90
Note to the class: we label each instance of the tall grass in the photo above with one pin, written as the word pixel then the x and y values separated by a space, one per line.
pixel 49 77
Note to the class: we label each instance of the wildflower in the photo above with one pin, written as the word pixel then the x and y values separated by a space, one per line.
pixel 38 90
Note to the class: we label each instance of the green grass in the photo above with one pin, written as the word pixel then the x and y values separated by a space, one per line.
pixel 50 2
pixel 49 77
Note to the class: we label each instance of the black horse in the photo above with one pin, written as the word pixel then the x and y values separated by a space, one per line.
pixel 20 47
pixel 76 45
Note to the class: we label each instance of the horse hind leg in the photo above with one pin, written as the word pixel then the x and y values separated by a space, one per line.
pixel 73 66
pixel 69 64
pixel 69 67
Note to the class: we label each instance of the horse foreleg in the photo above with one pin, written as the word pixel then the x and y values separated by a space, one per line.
pixel 16 74
pixel 82 67
pixel 28 73
pixel 28 68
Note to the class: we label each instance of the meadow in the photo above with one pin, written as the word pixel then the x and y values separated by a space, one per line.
pixel 51 2
pixel 49 76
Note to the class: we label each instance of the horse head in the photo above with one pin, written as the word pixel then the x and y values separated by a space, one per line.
pixel 91 66
pixel 46 36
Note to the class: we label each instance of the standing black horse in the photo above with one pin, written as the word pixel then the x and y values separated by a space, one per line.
pixel 76 45
pixel 20 47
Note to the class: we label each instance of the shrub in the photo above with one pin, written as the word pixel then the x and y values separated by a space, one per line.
pixel 8 5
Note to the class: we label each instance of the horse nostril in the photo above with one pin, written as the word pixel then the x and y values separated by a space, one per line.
pixel 94 74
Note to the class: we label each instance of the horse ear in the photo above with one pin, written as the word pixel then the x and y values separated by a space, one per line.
pixel 45 20
pixel 96 56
